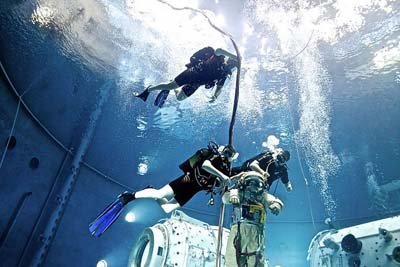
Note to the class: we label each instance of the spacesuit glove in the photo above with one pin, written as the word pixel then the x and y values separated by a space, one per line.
pixel 234 196
pixel 288 186
pixel 276 206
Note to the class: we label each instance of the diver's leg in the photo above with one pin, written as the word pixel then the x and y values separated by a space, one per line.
pixel 164 196
pixel 164 192
pixel 164 86
pixel 186 91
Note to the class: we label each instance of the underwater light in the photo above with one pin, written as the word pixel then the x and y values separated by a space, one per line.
pixel 130 217
pixel 102 263
pixel 142 168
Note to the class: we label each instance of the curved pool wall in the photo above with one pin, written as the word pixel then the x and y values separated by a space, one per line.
pixel 78 117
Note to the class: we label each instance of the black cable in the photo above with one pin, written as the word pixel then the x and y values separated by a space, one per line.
pixel 276 186
pixel 236 100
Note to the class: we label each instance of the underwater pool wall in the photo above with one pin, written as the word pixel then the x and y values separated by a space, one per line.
pixel 17 178
pixel 48 194
pixel 67 188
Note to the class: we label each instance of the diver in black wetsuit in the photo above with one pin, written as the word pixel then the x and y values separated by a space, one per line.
pixel 200 173
pixel 271 165
pixel 207 67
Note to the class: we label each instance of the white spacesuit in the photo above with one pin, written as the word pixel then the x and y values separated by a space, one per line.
pixel 250 200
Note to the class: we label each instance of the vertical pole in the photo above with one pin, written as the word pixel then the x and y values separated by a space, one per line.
pixel 220 234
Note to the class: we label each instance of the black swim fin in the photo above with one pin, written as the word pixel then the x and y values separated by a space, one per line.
pixel 110 214
pixel 161 98
pixel 144 95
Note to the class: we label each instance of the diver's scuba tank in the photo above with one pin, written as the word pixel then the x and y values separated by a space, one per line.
pixel 200 156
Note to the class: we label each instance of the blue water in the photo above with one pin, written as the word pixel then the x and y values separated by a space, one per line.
pixel 324 77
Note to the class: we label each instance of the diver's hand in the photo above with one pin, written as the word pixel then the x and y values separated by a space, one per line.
pixel 288 186
pixel 212 99
pixel 234 196
pixel 186 178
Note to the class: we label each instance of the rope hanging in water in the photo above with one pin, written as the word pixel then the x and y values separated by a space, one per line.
pixel 237 87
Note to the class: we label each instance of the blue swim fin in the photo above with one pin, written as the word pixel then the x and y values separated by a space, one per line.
pixel 161 97
pixel 110 214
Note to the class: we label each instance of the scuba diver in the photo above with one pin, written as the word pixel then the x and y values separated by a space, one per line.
pixel 271 164
pixel 250 199
pixel 201 172
pixel 207 67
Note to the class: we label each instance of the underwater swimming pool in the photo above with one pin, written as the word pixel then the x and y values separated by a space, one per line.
pixel 321 76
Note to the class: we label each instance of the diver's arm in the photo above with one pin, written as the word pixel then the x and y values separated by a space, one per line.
pixel 208 167
pixel 216 93
pixel 255 166
pixel 218 90
pixel 222 52
pixel 285 179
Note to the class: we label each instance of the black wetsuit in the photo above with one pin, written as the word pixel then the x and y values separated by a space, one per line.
pixel 268 164
pixel 197 179
pixel 207 69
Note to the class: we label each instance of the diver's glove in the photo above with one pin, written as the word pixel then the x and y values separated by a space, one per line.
pixel 288 186
pixel 212 99
pixel 234 196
